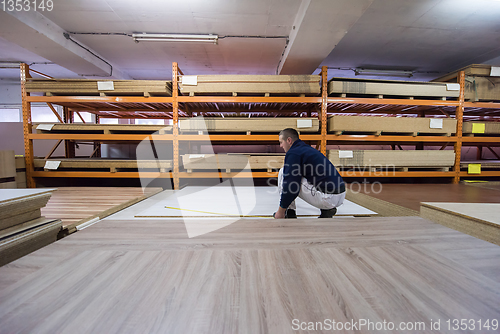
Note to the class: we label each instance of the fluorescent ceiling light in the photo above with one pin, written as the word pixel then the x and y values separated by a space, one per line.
pixel 175 38
pixel 389 73
pixel 10 64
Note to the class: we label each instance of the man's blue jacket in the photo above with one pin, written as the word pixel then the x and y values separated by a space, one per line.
pixel 302 160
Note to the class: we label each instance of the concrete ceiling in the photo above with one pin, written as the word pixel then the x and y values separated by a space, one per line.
pixel 429 37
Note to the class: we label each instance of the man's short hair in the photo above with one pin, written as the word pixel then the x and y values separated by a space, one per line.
pixel 289 133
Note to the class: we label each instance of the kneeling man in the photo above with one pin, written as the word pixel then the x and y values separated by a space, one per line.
pixel 308 174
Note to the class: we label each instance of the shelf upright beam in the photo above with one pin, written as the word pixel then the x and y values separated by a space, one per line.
pixel 27 127
pixel 459 115
pixel 324 107
pixel 175 119
pixel 69 145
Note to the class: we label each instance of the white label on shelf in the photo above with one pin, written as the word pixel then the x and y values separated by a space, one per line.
pixel 346 154
pixel 105 85
pixel 436 123
pixel 52 164
pixel 304 123
pixel 452 86
pixel 495 71
pixel 46 127
pixel 189 80
pixel 196 156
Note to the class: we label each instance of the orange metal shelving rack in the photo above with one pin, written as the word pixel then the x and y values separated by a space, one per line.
pixel 162 104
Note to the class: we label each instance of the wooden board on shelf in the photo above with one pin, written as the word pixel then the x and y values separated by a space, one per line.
pixel 273 84
pixel 89 86
pixel 476 70
pixel 84 163
pixel 100 128
pixel 381 125
pixel 491 128
pixel 479 84
pixel 232 161
pixel 391 88
pixel 392 158
pixel 243 124
pixel 485 164
pixel 482 89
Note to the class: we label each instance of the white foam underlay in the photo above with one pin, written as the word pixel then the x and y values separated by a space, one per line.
pixel 249 202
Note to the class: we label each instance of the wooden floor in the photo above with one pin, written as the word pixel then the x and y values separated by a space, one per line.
pixel 410 195
pixel 254 276
pixel 72 204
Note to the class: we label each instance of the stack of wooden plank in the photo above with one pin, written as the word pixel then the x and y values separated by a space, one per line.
pixel 480 127
pixel 391 88
pixel 232 161
pixel 379 125
pixel 101 128
pixel 479 165
pixel 242 124
pixel 88 86
pixel 7 170
pixel 389 159
pixel 20 172
pixel 272 84
pixel 482 82
pixel 22 228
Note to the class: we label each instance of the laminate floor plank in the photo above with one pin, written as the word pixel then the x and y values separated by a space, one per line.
pixel 483 258
pixel 253 276
pixel 26 265
pixel 72 204
pixel 266 233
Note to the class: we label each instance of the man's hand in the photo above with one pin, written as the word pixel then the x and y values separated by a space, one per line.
pixel 280 213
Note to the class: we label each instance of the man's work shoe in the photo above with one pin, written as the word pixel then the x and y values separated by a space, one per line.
pixel 290 213
pixel 328 213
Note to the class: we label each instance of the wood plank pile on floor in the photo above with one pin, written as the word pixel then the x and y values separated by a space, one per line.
pixel 20 172
pixel 481 220
pixel 245 124
pixel 386 88
pixel 272 84
pixel 89 86
pixel 390 159
pixel 8 171
pixel 22 228
pixel 254 276
pixel 391 125
pixel 77 205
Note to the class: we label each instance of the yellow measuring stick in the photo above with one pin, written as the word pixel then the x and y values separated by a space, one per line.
pixel 217 213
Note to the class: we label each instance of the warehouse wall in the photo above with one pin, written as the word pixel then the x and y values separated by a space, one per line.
pixel 11 133
pixel 10 93
pixel 11 138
